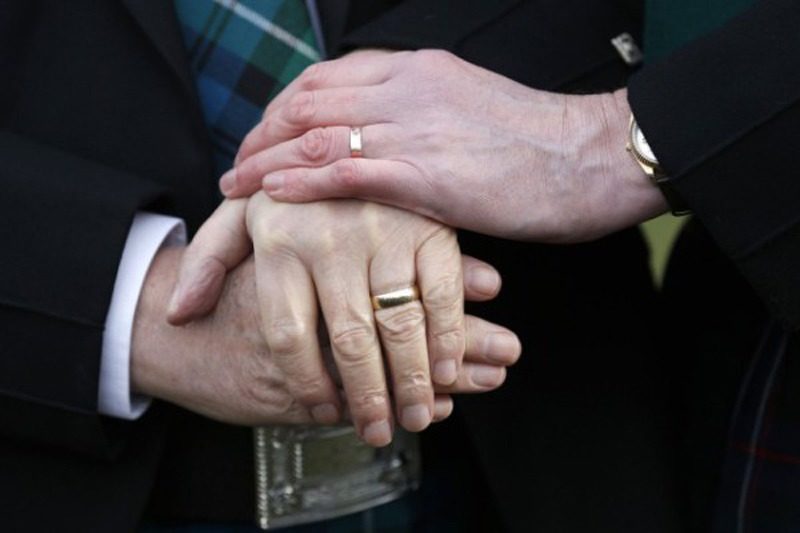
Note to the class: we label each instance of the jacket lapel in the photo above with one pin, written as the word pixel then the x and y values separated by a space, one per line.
pixel 157 20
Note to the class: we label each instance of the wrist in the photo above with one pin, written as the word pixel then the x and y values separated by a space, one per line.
pixel 151 332
pixel 632 196
pixel 601 189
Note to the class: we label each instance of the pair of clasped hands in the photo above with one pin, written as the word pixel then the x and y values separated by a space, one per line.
pixel 448 144
pixel 323 355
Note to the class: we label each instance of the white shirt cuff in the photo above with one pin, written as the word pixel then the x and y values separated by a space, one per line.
pixel 148 233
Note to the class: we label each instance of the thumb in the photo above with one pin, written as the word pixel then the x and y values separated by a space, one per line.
pixel 220 245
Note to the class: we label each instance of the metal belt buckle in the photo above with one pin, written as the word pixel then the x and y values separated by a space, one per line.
pixel 306 474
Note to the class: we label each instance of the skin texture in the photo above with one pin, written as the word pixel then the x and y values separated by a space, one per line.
pixel 451 141
pixel 219 366
pixel 332 256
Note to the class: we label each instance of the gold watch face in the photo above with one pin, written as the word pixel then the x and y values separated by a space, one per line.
pixel 641 145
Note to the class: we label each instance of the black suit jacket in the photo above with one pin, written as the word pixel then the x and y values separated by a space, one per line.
pixel 99 120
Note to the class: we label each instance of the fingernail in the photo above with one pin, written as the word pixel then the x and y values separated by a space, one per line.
pixel 444 372
pixel 228 181
pixel 501 347
pixel 378 433
pixel 416 417
pixel 273 182
pixel 442 409
pixel 484 280
pixel 325 413
pixel 487 376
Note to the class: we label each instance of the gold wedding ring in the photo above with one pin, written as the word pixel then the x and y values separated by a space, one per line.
pixel 395 298
pixel 355 142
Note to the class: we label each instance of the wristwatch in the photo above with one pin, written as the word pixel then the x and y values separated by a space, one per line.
pixel 644 156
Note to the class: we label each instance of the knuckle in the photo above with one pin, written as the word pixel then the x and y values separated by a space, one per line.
pixel 403 324
pixel 346 173
pixel 368 401
pixel 312 77
pixel 353 342
pixel 309 390
pixel 415 378
pixel 414 385
pixel 450 343
pixel 435 57
pixel 261 391
pixel 287 337
pixel 247 146
pixel 301 108
pixel 446 293
pixel 315 145
pixel 250 167
pixel 413 394
pixel 261 133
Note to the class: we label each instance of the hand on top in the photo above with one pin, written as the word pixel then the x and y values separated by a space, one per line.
pixel 451 141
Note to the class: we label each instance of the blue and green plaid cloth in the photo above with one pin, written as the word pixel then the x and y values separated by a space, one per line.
pixel 242 54
pixel 759 487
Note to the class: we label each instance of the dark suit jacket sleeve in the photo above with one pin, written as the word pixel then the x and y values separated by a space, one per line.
pixel 562 46
pixel 63 224
pixel 723 116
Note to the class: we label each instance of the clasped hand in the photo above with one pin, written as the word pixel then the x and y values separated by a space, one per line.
pixel 331 256
pixel 454 142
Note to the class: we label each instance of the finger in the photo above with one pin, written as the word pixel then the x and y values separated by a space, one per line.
pixel 348 315
pixel 441 287
pixel 484 360
pixel 490 344
pixel 315 148
pixel 358 69
pixel 442 407
pixel 288 309
pixel 475 378
pixel 388 182
pixel 305 110
pixel 403 337
pixel 481 281
pixel 220 245
pixel 489 349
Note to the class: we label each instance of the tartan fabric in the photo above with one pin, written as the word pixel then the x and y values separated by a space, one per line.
pixel 760 482
pixel 243 53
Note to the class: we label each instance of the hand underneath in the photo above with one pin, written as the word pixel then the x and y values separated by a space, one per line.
pixel 219 366
pixel 451 141
pixel 333 255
